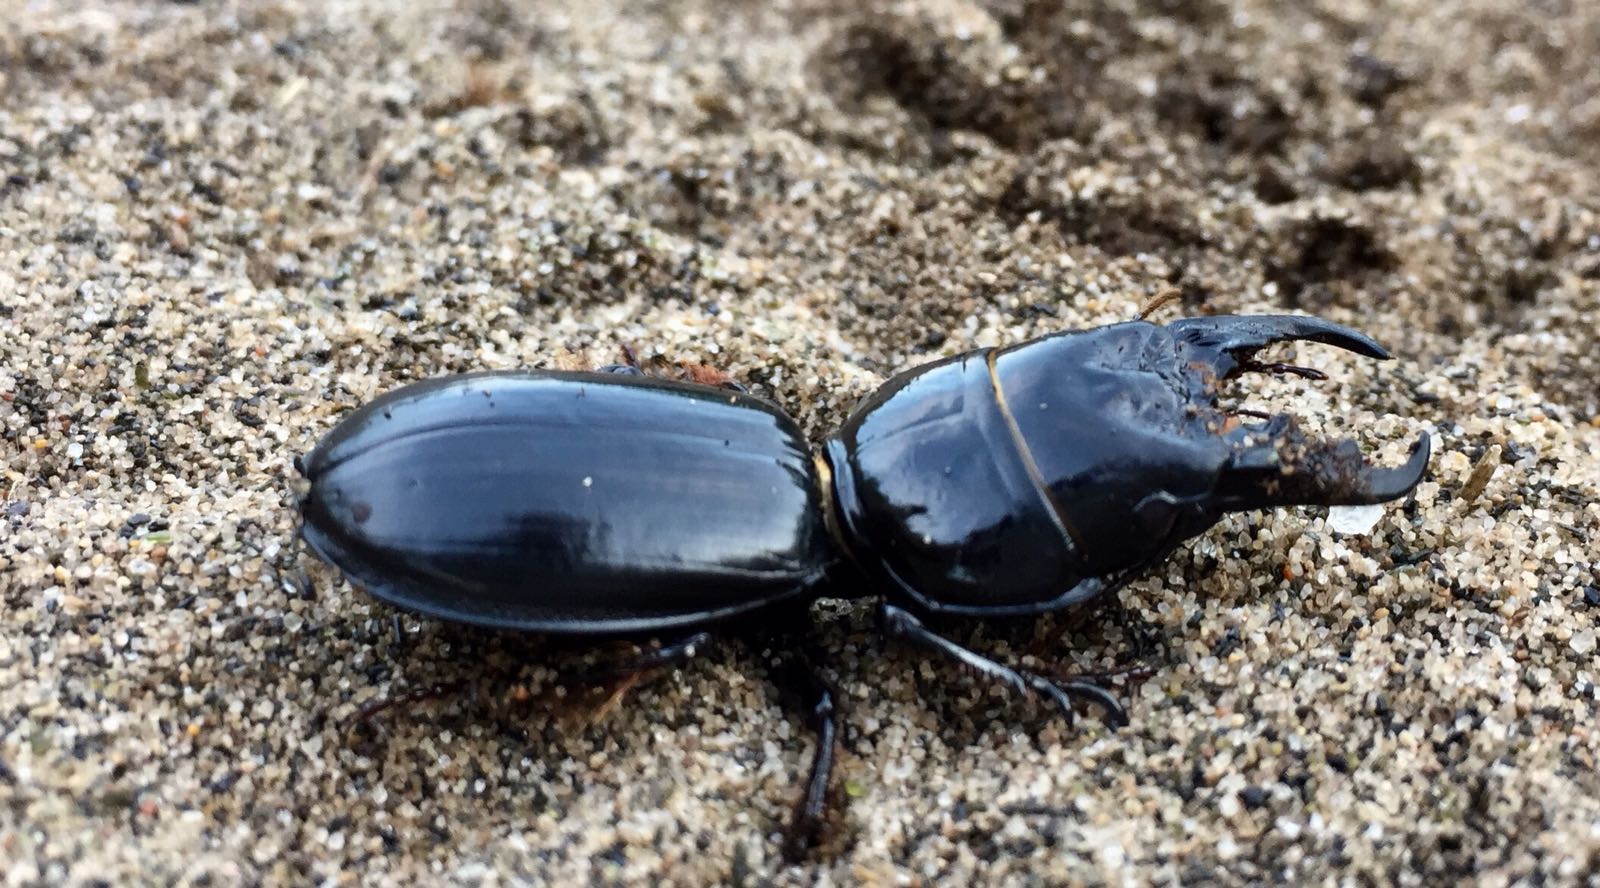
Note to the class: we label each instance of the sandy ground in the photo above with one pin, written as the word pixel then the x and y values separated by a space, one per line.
pixel 223 225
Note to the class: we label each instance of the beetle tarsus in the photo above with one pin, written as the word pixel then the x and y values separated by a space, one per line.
pixel 1113 713
pixel 900 624
pixel 614 694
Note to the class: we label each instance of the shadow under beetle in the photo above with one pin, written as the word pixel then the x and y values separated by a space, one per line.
pixel 1000 482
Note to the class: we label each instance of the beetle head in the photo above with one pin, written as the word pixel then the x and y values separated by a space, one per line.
pixel 1273 462
pixel 1138 455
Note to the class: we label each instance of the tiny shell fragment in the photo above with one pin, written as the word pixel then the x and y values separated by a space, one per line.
pixel 1354 520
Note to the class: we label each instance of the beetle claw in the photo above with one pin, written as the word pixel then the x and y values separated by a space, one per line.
pixel 1112 711
pixel 1026 681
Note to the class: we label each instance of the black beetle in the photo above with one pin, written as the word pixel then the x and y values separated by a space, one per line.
pixel 1000 482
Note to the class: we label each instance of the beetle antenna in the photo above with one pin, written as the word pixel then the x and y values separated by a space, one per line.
pixel 1162 299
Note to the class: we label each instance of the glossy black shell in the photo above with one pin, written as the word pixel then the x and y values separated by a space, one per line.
pixel 569 502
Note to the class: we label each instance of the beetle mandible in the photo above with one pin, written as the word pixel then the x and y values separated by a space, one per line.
pixel 1000 482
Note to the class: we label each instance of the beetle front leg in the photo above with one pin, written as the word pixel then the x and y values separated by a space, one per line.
pixel 901 624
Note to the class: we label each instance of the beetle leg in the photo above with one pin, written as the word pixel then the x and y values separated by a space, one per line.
pixel 659 657
pixel 1115 714
pixel 799 678
pixel 899 623
pixel 622 677
pixel 370 710
pixel 1137 672
pixel 618 690
pixel 629 367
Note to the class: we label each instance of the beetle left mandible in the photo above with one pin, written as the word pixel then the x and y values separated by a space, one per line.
pixel 995 483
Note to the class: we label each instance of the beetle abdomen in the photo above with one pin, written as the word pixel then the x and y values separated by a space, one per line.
pixel 578 502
